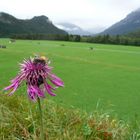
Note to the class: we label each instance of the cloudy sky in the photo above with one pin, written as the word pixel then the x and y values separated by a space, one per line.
pixel 85 13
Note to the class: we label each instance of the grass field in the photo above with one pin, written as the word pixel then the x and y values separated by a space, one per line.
pixel 108 75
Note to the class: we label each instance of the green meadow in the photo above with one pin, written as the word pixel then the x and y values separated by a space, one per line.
pixel 107 77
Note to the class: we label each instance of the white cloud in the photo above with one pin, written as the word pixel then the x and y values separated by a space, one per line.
pixel 85 13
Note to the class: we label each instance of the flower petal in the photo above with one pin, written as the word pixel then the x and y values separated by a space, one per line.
pixel 14 89
pixel 40 92
pixel 56 80
pixel 31 93
pixel 48 88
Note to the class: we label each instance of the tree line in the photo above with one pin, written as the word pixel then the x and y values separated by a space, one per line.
pixel 61 37
pixel 118 40
pixel 103 39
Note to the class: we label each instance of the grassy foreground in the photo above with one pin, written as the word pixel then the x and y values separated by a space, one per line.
pixel 19 122
pixel 109 74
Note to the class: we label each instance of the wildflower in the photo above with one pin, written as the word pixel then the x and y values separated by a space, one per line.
pixel 38 77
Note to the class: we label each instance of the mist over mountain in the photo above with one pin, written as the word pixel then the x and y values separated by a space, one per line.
pixel 129 24
pixel 72 29
pixel 96 30
pixel 76 30
pixel 37 25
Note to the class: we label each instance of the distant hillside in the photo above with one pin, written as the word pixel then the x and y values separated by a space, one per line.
pixel 37 25
pixel 72 29
pixel 129 24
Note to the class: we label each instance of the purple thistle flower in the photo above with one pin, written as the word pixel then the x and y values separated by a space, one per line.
pixel 36 72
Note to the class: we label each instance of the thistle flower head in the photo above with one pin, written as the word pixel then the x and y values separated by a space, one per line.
pixel 38 77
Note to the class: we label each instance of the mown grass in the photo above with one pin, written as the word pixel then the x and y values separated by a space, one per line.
pixel 107 74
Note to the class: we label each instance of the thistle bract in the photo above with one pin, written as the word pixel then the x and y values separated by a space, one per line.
pixel 38 77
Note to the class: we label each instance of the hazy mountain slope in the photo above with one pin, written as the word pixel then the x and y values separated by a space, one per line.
pixel 129 24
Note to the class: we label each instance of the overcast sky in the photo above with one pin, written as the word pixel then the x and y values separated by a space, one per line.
pixel 85 13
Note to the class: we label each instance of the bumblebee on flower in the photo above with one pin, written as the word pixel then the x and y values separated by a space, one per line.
pixel 37 74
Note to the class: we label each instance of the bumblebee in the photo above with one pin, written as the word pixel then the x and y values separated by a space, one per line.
pixel 41 60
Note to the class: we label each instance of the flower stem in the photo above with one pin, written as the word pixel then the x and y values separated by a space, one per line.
pixel 31 114
pixel 41 119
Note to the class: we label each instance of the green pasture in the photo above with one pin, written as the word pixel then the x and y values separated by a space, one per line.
pixel 106 77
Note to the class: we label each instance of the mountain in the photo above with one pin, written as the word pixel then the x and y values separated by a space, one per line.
pixel 72 29
pixel 37 25
pixel 129 24
pixel 135 34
